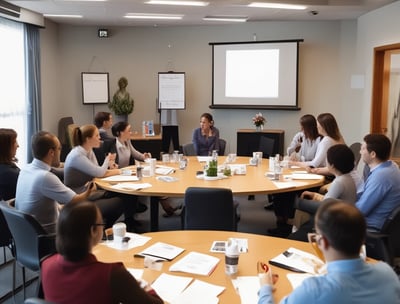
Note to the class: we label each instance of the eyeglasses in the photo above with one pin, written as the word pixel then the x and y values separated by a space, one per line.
pixel 99 224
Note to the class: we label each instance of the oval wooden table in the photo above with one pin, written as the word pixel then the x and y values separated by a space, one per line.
pixel 260 247
pixel 252 183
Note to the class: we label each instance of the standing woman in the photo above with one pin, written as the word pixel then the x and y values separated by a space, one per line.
pixel 304 144
pixel 74 275
pixel 206 138
pixel 81 167
pixel 8 169
pixel 328 128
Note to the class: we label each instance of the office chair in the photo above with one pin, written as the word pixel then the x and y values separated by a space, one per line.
pixel 266 146
pixel 36 301
pixel 222 146
pixel 385 245
pixel 188 150
pixel 31 241
pixel 63 135
pixel 355 148
pixel 209 209
pixel 5 237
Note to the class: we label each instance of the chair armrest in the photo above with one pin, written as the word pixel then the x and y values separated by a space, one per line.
pixel 47 244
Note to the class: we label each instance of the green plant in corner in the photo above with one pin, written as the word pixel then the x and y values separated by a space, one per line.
pixel 122 103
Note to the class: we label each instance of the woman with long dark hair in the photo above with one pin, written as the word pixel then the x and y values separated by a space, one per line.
pixel 9 171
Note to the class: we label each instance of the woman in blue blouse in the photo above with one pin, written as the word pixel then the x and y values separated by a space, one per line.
pixel 206 138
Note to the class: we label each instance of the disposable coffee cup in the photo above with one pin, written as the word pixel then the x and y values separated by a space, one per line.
pixel 119 231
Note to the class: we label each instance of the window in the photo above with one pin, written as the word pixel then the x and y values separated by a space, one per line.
pixel 12 82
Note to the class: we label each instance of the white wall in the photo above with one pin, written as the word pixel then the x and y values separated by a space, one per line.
pixel 327 61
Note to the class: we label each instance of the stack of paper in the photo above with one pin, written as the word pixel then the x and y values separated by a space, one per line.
pixel 164 170
pixel 196 263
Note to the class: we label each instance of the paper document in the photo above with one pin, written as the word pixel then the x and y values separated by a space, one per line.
pixel 247 287
pixel 196 263
pixel 131 186
pixel 306 176
pixel 219 246
pixel 163 250
pixel 164 170
pixel 199 292
pixel 168 286
pixel 120 178
pixel 135 240
pixel 298 261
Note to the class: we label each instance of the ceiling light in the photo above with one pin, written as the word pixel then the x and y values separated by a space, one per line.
pixel 62 16
pixel 277 5
pixel 226 18
pixel 153 16
pixel 188 3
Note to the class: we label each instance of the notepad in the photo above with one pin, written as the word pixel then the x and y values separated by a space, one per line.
pixel 162 250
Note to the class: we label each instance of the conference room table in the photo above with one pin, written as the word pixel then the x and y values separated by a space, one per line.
pixel 260 248
pixel 253 182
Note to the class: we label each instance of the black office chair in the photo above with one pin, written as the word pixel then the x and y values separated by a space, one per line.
pixel 222 146
pixel 31 241
pixel 385 245
pixel 209 209
pixel 5 237
pixel 188 149
pixel 266 146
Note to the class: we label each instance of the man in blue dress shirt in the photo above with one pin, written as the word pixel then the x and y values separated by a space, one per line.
pixel 340 232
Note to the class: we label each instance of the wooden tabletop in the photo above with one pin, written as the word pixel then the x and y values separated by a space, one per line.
pixel 252 183
pixel 260 247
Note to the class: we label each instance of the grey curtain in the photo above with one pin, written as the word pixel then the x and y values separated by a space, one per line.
pixel 32 82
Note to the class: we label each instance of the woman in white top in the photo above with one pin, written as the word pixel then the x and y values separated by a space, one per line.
pixel 328 128
pixel 304 144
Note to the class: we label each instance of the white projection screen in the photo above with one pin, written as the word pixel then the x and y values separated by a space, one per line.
pixel 257 74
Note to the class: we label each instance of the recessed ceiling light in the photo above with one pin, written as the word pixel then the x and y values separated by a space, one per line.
pixel 277 5
pixel 153 16
pixel 168 2
pixel 62 16
pixel 226 18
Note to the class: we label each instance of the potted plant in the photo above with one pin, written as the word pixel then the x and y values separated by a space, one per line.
pixel 122 103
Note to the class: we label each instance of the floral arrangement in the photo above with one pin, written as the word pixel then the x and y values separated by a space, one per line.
pixel 259 120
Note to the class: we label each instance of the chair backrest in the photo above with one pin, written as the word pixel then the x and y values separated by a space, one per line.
pixel 266 146
pixel 222 146
pixel 29 237
pixel 209 209
pixel 5 234
pixel 391 228
pixel 188 149
pixel 62 129
pixel 355 148
pixel 70 134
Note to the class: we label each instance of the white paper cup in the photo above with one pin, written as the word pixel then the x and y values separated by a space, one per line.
pixel 119 231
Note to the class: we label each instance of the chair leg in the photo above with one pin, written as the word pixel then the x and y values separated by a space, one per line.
pixel 13 287
pixel 23 281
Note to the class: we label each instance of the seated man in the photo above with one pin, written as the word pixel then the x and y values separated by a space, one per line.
pixel 39 189
pixel 381 193
pixel 340 232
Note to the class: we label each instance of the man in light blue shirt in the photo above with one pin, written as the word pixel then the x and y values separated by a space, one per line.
pixel 381 193
pixel 340 232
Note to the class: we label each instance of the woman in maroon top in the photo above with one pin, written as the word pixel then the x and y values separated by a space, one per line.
pixel 75 276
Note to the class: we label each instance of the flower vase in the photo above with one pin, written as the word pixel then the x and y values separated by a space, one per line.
pixel 259 128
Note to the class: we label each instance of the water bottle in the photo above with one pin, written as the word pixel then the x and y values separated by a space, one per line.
pixel 231 257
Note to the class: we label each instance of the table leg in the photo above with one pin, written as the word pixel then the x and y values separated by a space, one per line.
pixel 154 205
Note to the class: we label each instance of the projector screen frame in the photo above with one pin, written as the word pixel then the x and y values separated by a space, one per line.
pixel 294 107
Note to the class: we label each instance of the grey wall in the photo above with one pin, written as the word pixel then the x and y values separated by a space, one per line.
pixel 330 54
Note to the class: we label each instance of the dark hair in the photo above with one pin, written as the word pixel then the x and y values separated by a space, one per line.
pixel 101 117
pixel 342 224
pixel 42 142
pixel 328 122
pixel 119 127
pixel 380 144
pixel 209 117
pixel 7 140
pixel 341 157
pixel 309 124
pixel 74 228
pixel 82 133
